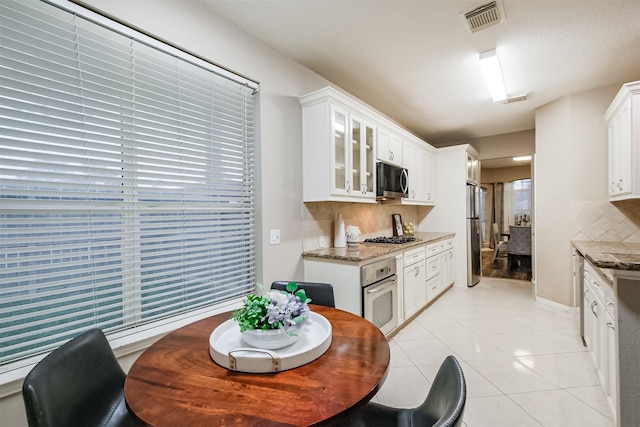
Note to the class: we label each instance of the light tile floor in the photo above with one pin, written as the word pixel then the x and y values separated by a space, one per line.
pixel 524 362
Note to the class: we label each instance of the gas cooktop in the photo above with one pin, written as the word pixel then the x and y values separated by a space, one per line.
pixel 397 240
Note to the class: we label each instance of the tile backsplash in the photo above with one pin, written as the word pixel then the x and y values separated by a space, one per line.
pixel 605 221
pixel 373 219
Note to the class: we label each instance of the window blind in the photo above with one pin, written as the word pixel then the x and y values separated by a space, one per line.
pixel 126 180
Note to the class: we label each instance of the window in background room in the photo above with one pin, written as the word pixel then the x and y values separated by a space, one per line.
pixel 517 202
pixel 485 214
pixel 126 179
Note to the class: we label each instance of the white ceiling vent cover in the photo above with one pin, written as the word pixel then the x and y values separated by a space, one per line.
pixel 483 16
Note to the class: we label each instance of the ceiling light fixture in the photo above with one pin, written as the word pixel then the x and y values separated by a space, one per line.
pixel 493 74
pixel 521 158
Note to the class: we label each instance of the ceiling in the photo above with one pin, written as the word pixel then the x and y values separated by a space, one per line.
pixel 417 61
pixel 504 162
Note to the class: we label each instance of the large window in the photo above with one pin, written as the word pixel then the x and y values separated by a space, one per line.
pixel 126 179
pixel 517 195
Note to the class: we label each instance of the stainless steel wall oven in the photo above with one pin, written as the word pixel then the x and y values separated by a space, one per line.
pixel 380 293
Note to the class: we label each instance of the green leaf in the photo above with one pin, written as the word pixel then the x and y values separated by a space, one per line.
pixel 301 294
pixel 291 287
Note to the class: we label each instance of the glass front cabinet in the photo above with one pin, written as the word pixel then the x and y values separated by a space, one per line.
pixel 353 160
pixel 338 154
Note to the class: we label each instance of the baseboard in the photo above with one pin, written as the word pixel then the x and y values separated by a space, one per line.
pixel 557 305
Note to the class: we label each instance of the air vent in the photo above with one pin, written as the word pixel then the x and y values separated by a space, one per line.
pixel 483 16
pixel 517 98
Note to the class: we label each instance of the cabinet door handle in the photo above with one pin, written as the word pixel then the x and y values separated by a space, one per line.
pixel 619 186
pixel 417 273
pixel 609 324
pixel 593 305
pixel 610 304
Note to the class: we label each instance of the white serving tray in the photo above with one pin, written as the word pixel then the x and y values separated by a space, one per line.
pixel 228 349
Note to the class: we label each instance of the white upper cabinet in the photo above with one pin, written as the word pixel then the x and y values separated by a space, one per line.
pixel 420 162
pixel 623 119
pixel 390 147
pixel 338 151
pixel 341 141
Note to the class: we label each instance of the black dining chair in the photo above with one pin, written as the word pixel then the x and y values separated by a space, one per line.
pixel 78 384
pixel 443 407
pixel 320 293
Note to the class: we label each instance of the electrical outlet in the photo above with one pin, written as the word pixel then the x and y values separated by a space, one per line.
pixel 274 237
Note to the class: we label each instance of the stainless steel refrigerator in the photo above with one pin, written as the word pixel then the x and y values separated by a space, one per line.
pixel 474 260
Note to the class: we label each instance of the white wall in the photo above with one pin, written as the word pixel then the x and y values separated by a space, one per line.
pixel 194 28
pixel 570 166
pixel 507 174
pixel 504 145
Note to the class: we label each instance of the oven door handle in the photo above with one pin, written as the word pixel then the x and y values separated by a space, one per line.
pixel 372 289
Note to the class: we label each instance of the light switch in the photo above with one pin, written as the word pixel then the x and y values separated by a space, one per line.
pixel 275 237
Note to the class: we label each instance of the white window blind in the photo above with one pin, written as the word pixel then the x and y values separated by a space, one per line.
pixel 126 180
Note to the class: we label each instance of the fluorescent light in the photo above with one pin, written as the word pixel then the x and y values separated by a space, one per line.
pixel 493 74
pixel 521 158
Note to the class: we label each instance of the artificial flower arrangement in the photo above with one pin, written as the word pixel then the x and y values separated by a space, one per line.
pixel 353 232
pixel 274 310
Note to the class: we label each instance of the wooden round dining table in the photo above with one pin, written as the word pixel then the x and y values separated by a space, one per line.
pixel 175 382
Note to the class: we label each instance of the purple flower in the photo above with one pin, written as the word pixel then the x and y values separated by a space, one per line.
pixel 285 310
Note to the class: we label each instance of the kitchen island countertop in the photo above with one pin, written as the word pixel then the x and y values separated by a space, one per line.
pixel 368 251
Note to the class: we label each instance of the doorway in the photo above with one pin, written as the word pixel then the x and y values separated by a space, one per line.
pixel 506 204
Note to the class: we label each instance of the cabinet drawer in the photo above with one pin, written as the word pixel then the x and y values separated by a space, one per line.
pixel 433 249
pixel 593 279
pixel 414 255
pixel 433 267
pixel 433 287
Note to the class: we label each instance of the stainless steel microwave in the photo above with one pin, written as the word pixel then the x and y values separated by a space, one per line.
pixel 392 182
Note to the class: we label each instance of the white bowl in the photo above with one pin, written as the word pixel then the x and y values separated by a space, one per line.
pixel 271 339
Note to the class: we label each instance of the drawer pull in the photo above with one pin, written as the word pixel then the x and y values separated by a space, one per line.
pixel 609 324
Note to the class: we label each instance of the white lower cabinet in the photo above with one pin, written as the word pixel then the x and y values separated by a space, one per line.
pixel 610 356
pixel 599 331
pixel 440 267
pixel 423 272
pixel 427 273
pixel 447 268
pixel 400 275
pixel 414 281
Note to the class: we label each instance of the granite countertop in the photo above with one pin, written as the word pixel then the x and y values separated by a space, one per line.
pixel 368 251
pixel 609 256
